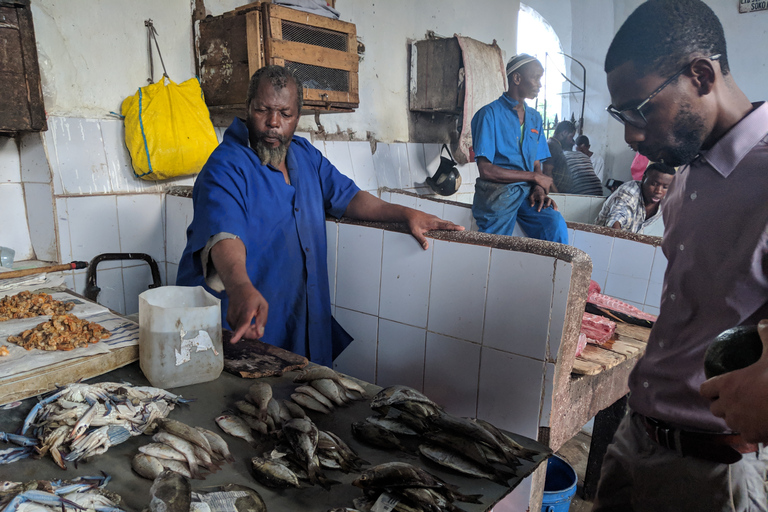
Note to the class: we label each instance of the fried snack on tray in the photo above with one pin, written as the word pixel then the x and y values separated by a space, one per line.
pixel 61 332
pixel 4 351
pixel 28 305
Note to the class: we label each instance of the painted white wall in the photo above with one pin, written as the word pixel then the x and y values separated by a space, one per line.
pixel 94 54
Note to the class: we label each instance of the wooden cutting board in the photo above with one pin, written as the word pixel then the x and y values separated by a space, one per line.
pixel 253 359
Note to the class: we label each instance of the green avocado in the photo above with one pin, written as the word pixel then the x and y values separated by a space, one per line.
pixel 732 350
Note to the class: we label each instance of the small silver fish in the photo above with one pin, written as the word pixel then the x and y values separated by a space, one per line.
pixel 330 390
pixel 310 403
pixel 261 393
pixel 236 427
pixel 310 391
pixel 218 445
pixel 273 474
pixel 146 466
pixel 182 446
pixel 161 451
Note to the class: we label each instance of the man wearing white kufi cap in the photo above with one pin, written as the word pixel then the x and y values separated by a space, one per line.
pixel 509 144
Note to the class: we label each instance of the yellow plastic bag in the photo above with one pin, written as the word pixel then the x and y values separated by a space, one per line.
pixel 168 130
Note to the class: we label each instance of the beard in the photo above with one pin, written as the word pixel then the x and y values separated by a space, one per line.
pixel 269 155
pixel 688 134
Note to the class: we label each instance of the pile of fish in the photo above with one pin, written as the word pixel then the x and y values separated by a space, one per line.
pixel 403 487
pixel 172 492
pixel 81 493
pixel 470 446
pixel 79 421
pixel 324 389
pixel 182 449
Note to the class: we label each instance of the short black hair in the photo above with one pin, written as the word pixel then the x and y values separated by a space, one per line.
pixel 279 77
pixel 662 35
pixel 565 126
pixel 582 140
pixel 659 167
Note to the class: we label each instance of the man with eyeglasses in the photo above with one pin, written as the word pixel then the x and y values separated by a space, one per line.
pixel 671 87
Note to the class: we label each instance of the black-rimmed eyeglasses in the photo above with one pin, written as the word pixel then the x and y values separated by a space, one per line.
pixel 634 116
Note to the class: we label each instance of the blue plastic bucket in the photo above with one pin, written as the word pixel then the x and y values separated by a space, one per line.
pixel 559 487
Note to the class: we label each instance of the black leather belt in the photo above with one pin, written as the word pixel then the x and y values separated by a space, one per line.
pixel 722 448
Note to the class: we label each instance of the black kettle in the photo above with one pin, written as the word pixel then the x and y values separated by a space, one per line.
pixel 447 179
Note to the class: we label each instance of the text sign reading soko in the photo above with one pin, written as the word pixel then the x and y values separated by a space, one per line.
pixel 753 5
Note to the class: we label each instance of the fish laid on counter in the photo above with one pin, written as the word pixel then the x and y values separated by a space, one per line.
pixel 170 492
pixel 303 435
pixel 236 427
pixel 273 474
pixel 81 493
pixel 376 436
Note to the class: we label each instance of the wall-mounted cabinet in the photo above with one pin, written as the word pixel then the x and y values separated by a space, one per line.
pixel 21 101
pixel 321 51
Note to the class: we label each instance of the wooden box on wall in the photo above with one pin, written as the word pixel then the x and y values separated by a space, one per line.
pixel 21 101
pixel 321 51
pixel 437 83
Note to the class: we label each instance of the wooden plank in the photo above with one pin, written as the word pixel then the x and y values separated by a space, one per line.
pixel 628 348
pixel 325 97
pixel 223 60
pixel 583 367
pixel 18 387
pixel 605 358
pixel 306 18
pixel 253 38
pixel 32 70
pixel 314 55
pixel 633 331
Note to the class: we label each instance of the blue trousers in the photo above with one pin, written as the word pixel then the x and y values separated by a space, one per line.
pixel 498 206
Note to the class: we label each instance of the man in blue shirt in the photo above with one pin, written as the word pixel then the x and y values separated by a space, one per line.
pixel 257 239
pixel 509 144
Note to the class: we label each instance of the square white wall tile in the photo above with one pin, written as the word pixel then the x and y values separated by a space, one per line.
pixel 399 153
pixel 403 199
pixel 432 157
pixel 42 224
pixel 49 141
pixel 171 270
pixel 141 221
pixel 320 145
pixel 13 212
pixel 82 160
pixel 337 151
pixel 650 309
pixel 416 162
pixel 653 295
pixel 305 135
pixel 10 161
pixel 571 233
pixel 178 214
pixel 62 229
pixel 458 289
pixel 400 355
pixel 34 160
pixel 510 391
pixel 597 246
pixel 405 273
pixel 427 205
pixel 362 162
pixel 596 203
pixel 121 176
pixel 110 282
pixel 451 369
pixel 563 272
pixel 519 301
pixel 136 280
pixel 659 266
pixel 461 215
pixel 359 358
pixel 578 209
pixel 631 258
pixel 387 166
pixel 600 276
pixel 93 228
pixel 69 280
pixel 630 289
pixel 358 277
pixel 331 235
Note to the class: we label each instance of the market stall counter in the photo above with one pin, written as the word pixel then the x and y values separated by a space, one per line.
pixel 210 400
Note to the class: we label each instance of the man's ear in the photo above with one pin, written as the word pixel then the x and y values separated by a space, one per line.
pixel 704 75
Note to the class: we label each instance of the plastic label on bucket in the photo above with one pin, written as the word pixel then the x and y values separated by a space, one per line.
pixel 201 343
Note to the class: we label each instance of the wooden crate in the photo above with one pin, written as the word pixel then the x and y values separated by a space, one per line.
pixel 321 51
pixel 435 68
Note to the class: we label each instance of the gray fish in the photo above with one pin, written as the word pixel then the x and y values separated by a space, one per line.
pixel 460 444
pixel 273 410
pixel 428 499
pixel 261 393
pixel 514 447
pixel 146 466
pixel 182 446
pixel 249 409
pixel 236 427
pixel 273 474
pixel 302 435
pixel 179 467
pixel 396 394
pixel 472 430
pixel 161 451
pixel 351 385
pixel 293 408
pixel 453 460
pixel 170 492
pixel 392 425
pixel 218 445
pixel 330 390
pixel 255 424
pixel 250 502
pixel 185 432
pixel 309 402
pixel 315 372
pixel 377 436
pixel 317 395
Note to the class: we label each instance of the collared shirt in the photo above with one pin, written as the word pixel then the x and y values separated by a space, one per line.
pixel 627 207
pixel 560 174
pixel 496 133
pixel 598 164
pixel 283 229
pixel 716 244
pixel 583 178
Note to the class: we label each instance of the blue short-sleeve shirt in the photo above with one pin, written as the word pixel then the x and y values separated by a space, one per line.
pixel 496 135
pixel 283 229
